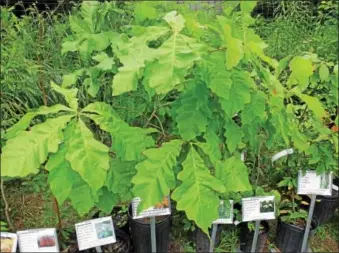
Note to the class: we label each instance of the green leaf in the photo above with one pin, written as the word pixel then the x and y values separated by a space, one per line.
pixel 106 200
pixel 324 73
pixel 256 109
pixel 24 122
pixel 82 198
pixel 88 156
pixel 234 174
pixel 247 6
pixel 25 153
pixel 233 135
pixel 174 58
pixel 128 142
pixel 61 176
pixel 159 164
pixel 70 79
pixel 302 69
pixel 239 94
pixel 144 11
pixel 212 145
pixel 314 104
pixel 89 10
pixel 69 95
pixel 119 178
pixel 133 56
pixel 234 51
pixel 198 193
pixel 105 62
pixel 193 112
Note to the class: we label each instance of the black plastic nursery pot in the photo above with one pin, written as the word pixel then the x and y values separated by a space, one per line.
pixel 140 231
pixel 325 206
pixel 203 242
pixel 289 237
pixel 120 220
pixel 246 237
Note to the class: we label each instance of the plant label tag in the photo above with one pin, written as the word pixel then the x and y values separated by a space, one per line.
pixel 242 156
pixel 281 154
pixel 311 183
pixel 225 212
pixel 334 187
pixel 8 242
pixel 95 233
pixel 258 208
pixel 38 240
pixel 163 208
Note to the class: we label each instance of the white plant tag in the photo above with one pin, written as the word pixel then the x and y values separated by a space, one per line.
pixel 314 184
pixel 95 233
pixel 334 187
pixel 281 154
pixel 225 213
pixel 242 156
pixel 38 240
pixel 8 242
pixel 163 208
pixel 258 208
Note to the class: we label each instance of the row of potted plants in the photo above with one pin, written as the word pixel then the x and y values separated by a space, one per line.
pixel 210 92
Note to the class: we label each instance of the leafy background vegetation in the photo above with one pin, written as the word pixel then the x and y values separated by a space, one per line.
pixel 31 58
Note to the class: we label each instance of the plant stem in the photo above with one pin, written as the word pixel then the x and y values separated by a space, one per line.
pixel 162 128
pixel 6 206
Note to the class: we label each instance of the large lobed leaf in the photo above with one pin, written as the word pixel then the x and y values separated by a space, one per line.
pixel 87 156
pixel 159 164
pixel 61 176
pixel 198 193
pixel 25 153
pixel 24 122
pixel 234 174
pixel 192 112
pixel 128 142
pixel 173 58
pixel 119 178
pixel 133 56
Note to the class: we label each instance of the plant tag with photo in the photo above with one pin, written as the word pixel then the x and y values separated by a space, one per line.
pixel 163 208
pixel 95 233
pixel 258 208
pixel 281 154
pixel 8 242
pixel 225 212
pixel 38 240
pixel 311 183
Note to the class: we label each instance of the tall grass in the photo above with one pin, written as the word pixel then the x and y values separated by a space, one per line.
pixel 299 26
pixel 30 58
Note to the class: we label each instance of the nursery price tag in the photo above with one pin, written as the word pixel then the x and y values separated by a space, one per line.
pixel 38 240
pixel 8 242
pixel 282 153
pixel 258 208
pixel 163 208
pixel 311 183
pixel 225 212
pixel 94 233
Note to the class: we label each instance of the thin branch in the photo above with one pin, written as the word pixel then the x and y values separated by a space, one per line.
pixel 150 118
pixel 162 128
pixel 6 206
